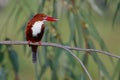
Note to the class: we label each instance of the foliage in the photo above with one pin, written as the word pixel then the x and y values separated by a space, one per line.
pixel 75 28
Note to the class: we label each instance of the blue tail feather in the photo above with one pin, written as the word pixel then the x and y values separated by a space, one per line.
pixel 34 57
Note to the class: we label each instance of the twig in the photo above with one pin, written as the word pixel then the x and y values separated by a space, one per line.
pixel 85 69
pixel 58 45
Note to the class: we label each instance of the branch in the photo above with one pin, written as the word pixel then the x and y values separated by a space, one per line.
pixel 85 69
pixel 59 46
pixel 67 48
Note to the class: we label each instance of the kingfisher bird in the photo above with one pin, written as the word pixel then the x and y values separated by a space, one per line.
pixel 35 30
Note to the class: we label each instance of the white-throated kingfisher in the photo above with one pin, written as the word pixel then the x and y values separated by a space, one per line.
pixel 35 30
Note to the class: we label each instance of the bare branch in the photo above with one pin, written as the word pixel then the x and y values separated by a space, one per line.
pixel 85 69
pixel 58 45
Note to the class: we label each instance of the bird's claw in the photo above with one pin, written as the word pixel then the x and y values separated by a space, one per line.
pixel 39 42
pixel 29 43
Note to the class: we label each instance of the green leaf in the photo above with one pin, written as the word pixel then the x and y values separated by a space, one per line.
pixel 0 46
pixel 54 8
pixel 98 61
pixel 50 62
pixel 71 60
pixel 14 59
pixel 43 69
pixel 70 73
pixel 78 26
pixel 95 7
pixel 4 74
pixel 57 53
pixel 116 13
pixel 27 6
pixel 1 56
pixel 91 28
pixel 53 68
pixel 72 29
pixel 54 75
pixel 76 37
pixel 17 15
pixel 83 77
pixel 93 32
pixel 8 17
pixel 41 6
pixel 85 59
pixel 116 70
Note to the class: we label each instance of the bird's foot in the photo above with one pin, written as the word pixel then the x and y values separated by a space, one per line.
pixel 29 42
pixel 39 42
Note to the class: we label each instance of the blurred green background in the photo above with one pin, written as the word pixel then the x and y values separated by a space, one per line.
pixel 83 23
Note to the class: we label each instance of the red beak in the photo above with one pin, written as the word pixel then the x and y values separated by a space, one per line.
pixel 48 18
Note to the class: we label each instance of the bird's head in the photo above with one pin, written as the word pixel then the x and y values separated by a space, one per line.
pixel 43 17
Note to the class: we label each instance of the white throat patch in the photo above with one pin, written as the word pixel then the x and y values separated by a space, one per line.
pixel 36 28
